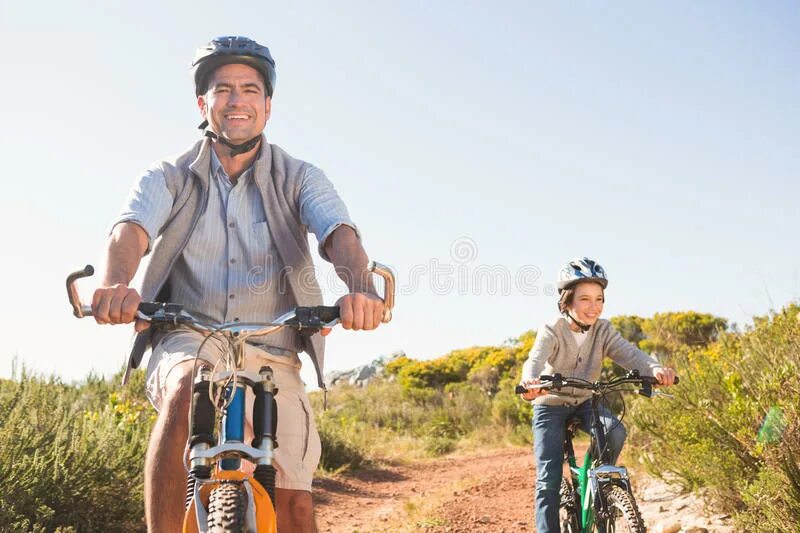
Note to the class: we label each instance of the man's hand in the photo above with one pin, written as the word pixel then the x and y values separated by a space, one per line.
pixel 665 376
pixel 117 305
pixel 359 310
pixel 532 394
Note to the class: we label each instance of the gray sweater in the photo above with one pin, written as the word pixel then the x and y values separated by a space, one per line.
pixel 555 351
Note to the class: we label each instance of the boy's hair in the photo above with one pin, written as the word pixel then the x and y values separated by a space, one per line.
pixel 565 301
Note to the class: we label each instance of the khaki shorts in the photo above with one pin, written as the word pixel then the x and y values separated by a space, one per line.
pixel 299 447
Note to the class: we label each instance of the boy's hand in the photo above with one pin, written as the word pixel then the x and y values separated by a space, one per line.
pixel 532 394
pixel 665 376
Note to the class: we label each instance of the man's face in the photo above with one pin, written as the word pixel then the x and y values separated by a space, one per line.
pixel 236 104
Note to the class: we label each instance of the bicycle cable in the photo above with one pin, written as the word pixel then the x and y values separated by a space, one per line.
pixel 196 358
pixel 618 421
pixel 231 381
pixel 621 417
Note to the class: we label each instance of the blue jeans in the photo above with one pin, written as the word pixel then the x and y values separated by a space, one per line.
pixel 549 427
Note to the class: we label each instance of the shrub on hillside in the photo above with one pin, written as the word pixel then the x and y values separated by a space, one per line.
pixel 482 365
pixel 340 451
pixel 708 436
pixel 630 327
pixel 70 457
pixel 436 373
pixel 366 418
pixel 668 333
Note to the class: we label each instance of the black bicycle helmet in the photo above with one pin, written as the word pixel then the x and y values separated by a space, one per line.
pixel 232 49
pixel 581 269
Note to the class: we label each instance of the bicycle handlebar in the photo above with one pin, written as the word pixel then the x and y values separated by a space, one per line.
pixel 558 381
pixel 304 319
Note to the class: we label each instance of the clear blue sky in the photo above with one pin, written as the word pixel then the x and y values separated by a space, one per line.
pixel 496 140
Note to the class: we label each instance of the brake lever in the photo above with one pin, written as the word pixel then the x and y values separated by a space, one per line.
pixel 309 320
pixel 166 315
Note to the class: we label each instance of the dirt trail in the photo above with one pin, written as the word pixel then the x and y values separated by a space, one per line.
pixel 491 491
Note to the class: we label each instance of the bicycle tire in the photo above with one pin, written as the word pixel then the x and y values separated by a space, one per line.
pixel 227 508
pixel 624 512
pixel 568 508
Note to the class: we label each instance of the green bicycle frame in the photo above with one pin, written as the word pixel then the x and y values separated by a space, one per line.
pixel 581 475
pixel 597 483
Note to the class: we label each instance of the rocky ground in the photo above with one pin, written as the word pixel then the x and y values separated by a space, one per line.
pixel 491 491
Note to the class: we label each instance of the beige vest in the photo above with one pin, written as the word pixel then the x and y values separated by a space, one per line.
pixel 278 176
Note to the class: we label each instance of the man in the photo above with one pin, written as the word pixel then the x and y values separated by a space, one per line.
pixel 225 224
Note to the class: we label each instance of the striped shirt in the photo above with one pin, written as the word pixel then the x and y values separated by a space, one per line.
pixel 230 270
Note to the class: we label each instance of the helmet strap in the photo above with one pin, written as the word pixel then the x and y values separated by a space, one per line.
pixel 236 149
pixel 583 327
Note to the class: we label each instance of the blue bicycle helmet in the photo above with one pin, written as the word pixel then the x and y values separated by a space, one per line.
pixel 581 269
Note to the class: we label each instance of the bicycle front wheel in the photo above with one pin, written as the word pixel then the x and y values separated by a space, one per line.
pixel 227 508
pixel 624 514
pixel 568 508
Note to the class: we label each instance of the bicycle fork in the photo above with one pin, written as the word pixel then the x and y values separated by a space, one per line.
pixel 593 475
pixel 231 447
pixel 604 472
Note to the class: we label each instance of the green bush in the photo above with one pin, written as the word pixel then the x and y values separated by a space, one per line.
pixel 70 457
pixel 630 327
pixel 670 333
pixel 483 365
pixel 439 445
pixel 384 410
pixel 708 435
pixel 441 433
pixel 339 451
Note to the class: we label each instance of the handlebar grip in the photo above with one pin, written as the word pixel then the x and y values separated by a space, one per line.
pixel 327 313
pixel 309 320
pixel 652 380
pixel 78 309
pixel 150 308
pixel 519 389
pixel 85 272
pixel 388 288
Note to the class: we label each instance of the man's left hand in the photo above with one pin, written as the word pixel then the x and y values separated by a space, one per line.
pixel 359 310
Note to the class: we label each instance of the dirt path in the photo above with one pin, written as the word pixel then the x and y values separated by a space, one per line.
pixel 490 491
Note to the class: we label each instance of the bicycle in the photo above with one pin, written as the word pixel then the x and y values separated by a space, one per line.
pixel 597 496
pixel 220 498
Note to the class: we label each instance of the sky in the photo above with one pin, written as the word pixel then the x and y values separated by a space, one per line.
pixel 478 146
